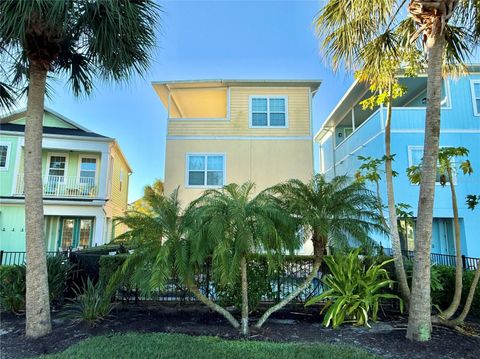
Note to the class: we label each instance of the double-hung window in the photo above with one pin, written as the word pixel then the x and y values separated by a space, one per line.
pixel 88 170
pixel 205 170
pixel 475 88
pixel 4 155
pixel 415 154
pixel 268 111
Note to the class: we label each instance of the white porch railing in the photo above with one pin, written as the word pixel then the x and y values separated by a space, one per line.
pixel 63 186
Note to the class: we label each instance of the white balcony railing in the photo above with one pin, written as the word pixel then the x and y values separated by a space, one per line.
pixel 63 186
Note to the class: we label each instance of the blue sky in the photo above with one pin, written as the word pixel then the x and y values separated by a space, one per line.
pixel 205 40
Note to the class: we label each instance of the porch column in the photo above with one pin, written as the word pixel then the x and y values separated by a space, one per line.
pixel 103 176
pixel 99 231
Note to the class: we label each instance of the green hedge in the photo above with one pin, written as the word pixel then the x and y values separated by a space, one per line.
pixel 444 297
pixel 108 265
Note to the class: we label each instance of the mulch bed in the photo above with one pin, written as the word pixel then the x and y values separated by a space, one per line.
pixel 386 338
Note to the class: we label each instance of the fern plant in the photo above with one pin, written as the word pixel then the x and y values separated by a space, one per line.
pixel 354 292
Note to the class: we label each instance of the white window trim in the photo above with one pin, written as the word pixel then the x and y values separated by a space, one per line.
pixel 56 154
pixel 7 158
pixel 267 97
pixel 410 163
pixel 79 168
pixel 476 111
pixel 187 169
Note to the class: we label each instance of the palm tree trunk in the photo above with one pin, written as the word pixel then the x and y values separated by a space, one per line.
pixel 213 306
pixel 457 296
pixel 243 270
pixel 37 301
pixel 392 214
pixel 419 320
pixel 292 295
pixel 471 293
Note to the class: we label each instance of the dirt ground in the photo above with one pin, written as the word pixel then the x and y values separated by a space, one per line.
pixel 385 338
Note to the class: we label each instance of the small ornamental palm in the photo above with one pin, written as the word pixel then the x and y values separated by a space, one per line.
pixel 162 249
pixel 337 213
pixel 234 224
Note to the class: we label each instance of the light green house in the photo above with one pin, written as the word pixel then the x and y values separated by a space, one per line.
pixel 85 184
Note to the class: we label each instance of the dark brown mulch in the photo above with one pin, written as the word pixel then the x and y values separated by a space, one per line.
pixel 386 338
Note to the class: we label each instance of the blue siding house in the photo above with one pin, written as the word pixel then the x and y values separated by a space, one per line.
pixel 349 132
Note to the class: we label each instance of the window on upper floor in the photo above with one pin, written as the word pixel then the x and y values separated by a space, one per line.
pixel 268 111
pixel 475 88
pixel 88 170
pixel 205 170
pixel 4 155
pixel 415 157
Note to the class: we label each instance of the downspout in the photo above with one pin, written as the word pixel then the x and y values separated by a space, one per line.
pixel 310 100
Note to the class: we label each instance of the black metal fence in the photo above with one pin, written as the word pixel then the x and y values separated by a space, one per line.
pixel 282 283
pixel 468 263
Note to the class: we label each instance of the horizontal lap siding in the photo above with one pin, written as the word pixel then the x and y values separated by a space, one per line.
pixel 298 116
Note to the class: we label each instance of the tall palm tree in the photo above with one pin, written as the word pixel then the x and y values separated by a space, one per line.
pixel 335 213
pixel 235 224
pixel 444 30
pixel 79 39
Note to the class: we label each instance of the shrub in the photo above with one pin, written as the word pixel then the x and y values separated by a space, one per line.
pixel 443 295
pixel 90 304
pixel 12 283
pixel 354 292
pixel 59 270
pixel 12 288
pixel 108 265
pixel 258 286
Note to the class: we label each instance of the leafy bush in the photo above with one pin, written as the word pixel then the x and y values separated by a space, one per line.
pixel 59 270
pixel 108 266
pixel 12 288
pixel 13 278
pixel 442 296
pixel 90 304
pixel 354 292
pixel 258 286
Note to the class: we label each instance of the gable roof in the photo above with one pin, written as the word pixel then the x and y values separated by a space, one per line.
pixel 74 128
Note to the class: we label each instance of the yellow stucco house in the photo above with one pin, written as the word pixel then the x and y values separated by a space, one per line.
pixel 225 131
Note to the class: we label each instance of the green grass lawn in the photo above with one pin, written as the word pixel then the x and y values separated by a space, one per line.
pixel 172 346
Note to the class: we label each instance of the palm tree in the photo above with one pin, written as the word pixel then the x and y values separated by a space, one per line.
pixel 335 213
pixel 162 249
pixel 79 39
pixel 444 30
pixel 234 226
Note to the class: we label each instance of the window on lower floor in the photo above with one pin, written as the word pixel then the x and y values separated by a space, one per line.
pixel 205 170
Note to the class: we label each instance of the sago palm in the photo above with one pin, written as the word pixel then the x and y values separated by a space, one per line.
pixel 162 249
pixel 443 31
pixel 79 40
pixel 337 213
pixel 234 224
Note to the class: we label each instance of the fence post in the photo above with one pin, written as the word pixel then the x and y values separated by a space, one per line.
pixel 1 257
pixel 464 262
